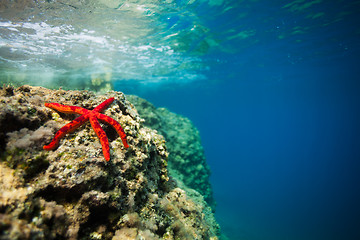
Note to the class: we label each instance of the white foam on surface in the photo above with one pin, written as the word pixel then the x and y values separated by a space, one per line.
pixel 123 44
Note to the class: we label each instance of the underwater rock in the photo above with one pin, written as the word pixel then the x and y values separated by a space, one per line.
pixel 72 192
pixel 187 162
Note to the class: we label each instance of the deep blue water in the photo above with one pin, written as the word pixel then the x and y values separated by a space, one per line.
pixel 279 119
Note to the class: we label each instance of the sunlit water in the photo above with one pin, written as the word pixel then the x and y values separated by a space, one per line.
pixel 113 40
pixel 272 86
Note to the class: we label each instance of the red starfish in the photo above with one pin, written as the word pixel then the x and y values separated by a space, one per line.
pixel 93 116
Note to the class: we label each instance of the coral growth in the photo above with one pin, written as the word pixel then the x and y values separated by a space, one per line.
pixel 71 193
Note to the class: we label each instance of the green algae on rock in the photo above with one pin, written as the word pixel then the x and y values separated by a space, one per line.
pixel 187 162
pixel 72 192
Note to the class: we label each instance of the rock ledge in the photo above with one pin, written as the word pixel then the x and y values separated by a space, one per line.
pixel 72 192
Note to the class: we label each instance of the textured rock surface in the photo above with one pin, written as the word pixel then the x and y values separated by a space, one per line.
pixel 72 192
pixel 187 162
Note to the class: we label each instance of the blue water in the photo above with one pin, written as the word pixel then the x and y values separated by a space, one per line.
pixel 273 87
pixel 279 118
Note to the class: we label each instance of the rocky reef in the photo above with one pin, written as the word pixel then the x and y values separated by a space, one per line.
pixel 187 162
pixel 73 193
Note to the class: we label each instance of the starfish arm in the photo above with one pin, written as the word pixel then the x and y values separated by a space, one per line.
pixel 115 125
pixel 93 116
pixel 102 137
pixel 71 126
pixel 103 105
pixel 66 109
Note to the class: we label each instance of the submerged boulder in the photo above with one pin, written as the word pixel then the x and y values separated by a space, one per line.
pixel 71 192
